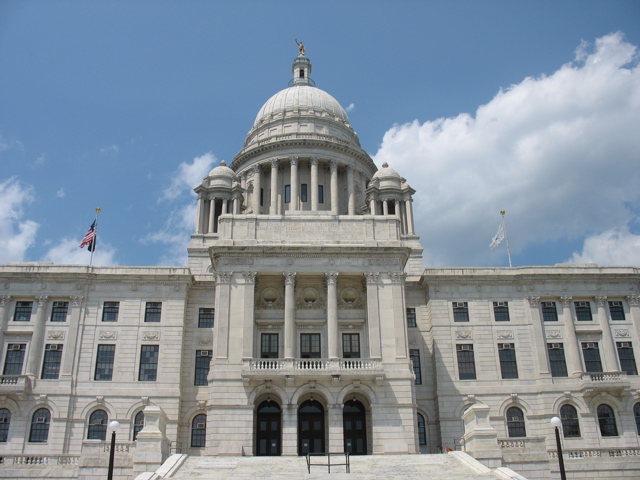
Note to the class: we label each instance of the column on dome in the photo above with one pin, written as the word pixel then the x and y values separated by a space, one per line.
pixel 608 345
pixel 351 192
pixel 225 206
pixel 333 166
pixel 74 322
pixel 408 205
pixel 572 349
pixel 37 339
pixel 273 204
pixel 385 207
pixel 4 318
pixel 295 200
pixel 396 207
pixel 539 339
pixel 212 215
pixel 373 204
pixel 332 314
pixel 256 189
pixel 199 214
pixel 243 185
pixel 289 314
pixel 314 183
pixel 373 315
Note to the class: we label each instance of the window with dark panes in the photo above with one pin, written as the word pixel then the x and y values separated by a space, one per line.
pixel 591 354
pixel 557 361
pixel 583 311
pixel 303 192
pixel 287 194
pixel 422 430
pixel 549 312
pixel 310 345
pixel 110 311
pixel 466 362
pixel 460 312
pixel 515 423
pixel 411 317
pixel 636 415
pixel 261 197
pixel 104 362
pixel 616 311
pixel 320 194
pixel 98 425
pixel 148 363
pixel 51 363
pixel 570 423
pixel 626 357
pixel 14 359
pixel 199 431
pixel 5 422
pixel 59 311
pixel 206 316
pixel 269 345
pixel 508 365
pixel 23 312
pixel 501 311
pixel 152 311
pixel 138 424
pixel 607 421
pixel 39 432
pixel 414 355
pixel 203 361
pixel 351 345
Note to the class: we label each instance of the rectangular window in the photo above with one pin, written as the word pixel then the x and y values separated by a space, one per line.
pixel 287 194
pixel 466 362
pixel 303 192
pixel 110 311
pixel 148 363
pixel 557 361
pixel 415 361
pixel 52 360
pixel 508 365
pixel 310 345
pixel 591 353
pixel 152 311
pixel 627 359
pixel 460 312
pixel 203 360
pixel 411 317
pixel 261 197
pixel 23 312
pixel 104 362
pixel 14 359
pixel 351 345
pixel 59 311
pixel 269 345
pixel 616 311
pixel 501 311
pixel 549 312
pixel 583 311
pixel 320 194
pixel 206 316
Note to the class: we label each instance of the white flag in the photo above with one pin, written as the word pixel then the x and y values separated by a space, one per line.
pixel 499 236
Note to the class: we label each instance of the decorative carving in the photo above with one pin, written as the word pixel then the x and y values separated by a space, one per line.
pixel 224 277
pixel 371 277
pixel 396 277
pixel 144 400
pixel 565 301
pixel 205 339
pixel 250 277
pixel 100 399
pixel 505 334
pixel 514 397
pixel 289 380
pixel 554 333
pixel 463 335
pixel 622 333
pixel 335 380
pixel 270 299
pixel 331 278
pixel 5 299
pixel 7 286
pixel 237 261
pixel 350 299
pixel 356 384
pixel 633 300
pixel 313 160
pixel 42 300
pixel 43 286
pixel 600 299
pixel 309 298
pixel 134 287
pixel 55 335
pixel 76 300
pixel 202 404
pixel 151 335
pixel 108 335
pixel 534 301
pixel 471 398
pixel 268 384
pixel 289 278
pixel 43 398
pixel 383 261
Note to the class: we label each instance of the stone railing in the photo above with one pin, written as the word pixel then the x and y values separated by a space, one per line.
pixel 17 384
pixel 27 460
pixel 536 443
pixel 594 383
pixel 596 453
pixel 312 366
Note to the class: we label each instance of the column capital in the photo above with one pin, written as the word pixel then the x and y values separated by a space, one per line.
pixel 42 299
pixel 256 168
pixel 250 277
pixel 600 299
pixel 372 277
pixel 314 160
pixel 4 300
pixel 534 301
pixel 289 278
pixel 331 278
pixel 333 165
pixel 633 300
pixel 224 277
pixel 293 159
pixel 396 277
pixel 76 300
pixel 565 301
pixel 274 162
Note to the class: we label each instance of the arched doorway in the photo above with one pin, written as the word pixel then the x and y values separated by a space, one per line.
pixel 354 421
pixel 311 428
pixel 269 429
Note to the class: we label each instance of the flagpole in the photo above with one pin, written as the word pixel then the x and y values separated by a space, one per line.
pixel 95 236
pixel 506 237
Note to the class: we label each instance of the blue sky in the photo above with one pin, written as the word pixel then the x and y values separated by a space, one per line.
pixel 531 107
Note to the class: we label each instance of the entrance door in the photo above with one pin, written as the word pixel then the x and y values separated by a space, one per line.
pixel 310 428
pixel 355 428
pixel 269 429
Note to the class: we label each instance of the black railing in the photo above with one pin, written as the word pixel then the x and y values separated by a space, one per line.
pixel 329 463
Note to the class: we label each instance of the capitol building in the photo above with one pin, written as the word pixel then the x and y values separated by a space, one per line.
pixel 305 322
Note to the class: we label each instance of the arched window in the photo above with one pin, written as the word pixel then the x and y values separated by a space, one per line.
pixel 97 425
pixel 422 430
pixel 636 414
pixel 607 421
pixel 5 420
pixel 515 422
pixel 40 426
pixel 570 424
pixel 199 430
pixel 138 424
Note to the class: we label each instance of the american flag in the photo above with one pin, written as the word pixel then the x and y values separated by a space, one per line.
pixel 90 238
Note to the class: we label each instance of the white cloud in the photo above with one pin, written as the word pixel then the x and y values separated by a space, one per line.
pixel 175 234
pixel 16 233
pixel 68 252
pixel 110 150
pixel 559 153
pixel 350 107
pixel 189 175
pixel 613 247
pixel 60 193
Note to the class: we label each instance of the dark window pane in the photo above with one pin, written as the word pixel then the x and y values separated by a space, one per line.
pixel 460 312
pixel 508 365
pixel 557 360
pixel 104 362
pixel 148 363
pixel 515 422
pixel 570 424
pixel 40 426
pixel 320 194
pixel 138 424
pixel 51 364
pixel 23 312
pixel 269 345
pixel 422 430
pixel 616 311
pixel 583 311
pixel 199 431
pixel 14 359
pixel 59 311
pixel 351 345
pixel 411 317
pixel 206 316
pixel 591 353
pixel 287 194
pixel 627 359
pixel 5 421
pixel 110 311
pixel 203 361
pixel 303 192
pixel 152 311
pixel 549 312
pixel 607 421
pixel 501 311
pixel 636 414
pixel 415 361
pixel 466 362
pixel 98 425
pixel 310 345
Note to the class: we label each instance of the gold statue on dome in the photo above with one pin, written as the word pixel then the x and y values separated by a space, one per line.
pixel 300 47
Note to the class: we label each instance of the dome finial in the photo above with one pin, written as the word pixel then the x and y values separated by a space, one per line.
pixel 300 47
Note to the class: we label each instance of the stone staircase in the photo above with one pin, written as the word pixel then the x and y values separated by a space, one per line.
pixel 450 466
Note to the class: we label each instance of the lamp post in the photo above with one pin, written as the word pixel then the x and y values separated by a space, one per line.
pixel 113 426
pixel 557 423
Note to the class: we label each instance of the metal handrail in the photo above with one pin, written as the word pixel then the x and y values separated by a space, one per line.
pixel 328 464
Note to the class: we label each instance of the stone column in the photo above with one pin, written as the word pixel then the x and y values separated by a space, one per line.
pixel 273 203
pixel 314 184
pixel 332 314
pixel 295 200
pixel 396 204
pixel 243 184
pixel 225 206
pixel 634 310
pixel 37 340
pixel 212 215
pixel 200 208
pixel 539 343
pixel 333 165
pixel 372 205
pixel 608 345
pixel 572 352
pixel 409 212
pixel 223 304
pixel 289 314
pixel 249 313
pixel 385 207
pixel 5 300
pixel 351 191
pixel 69 356
pixel 256 189
pixel 373 315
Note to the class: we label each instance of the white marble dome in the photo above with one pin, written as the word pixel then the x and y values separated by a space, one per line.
pixel 221 176
pixel 387 177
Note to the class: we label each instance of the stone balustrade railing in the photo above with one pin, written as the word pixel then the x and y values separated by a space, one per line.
pixel 596 453
pixel 64 460
pixel 312 366
pixel 18 384
pixel 593 383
